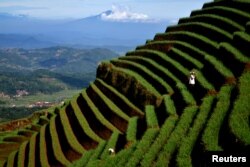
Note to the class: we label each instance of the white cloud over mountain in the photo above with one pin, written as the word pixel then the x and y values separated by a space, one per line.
pixel 123 14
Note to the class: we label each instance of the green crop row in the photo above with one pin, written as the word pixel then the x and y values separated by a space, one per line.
pixel 57 148
pixel 235 52
pixel 176 136
pixel 107 108
pixel 21 154
pixel 15 138
pixel 242 40
pixel 26 132
pixel 83 160
pixel 200 78
pixel 198 54
pixel 187 57
pixel 192 37
pixel 169 104
pixel 43 148
pixel 98 114
pixel 32 150
pixel 232 13
pixel 70 136
pixel 111 144
pixel 213 19
pixel 121 158
pixel 186 147
pixel 156 81
pixel 129 73
pixel 187 96
pixel 83 122
pixel 161 139
pixel 142 147
pixel 109 103
pixel 118 98
pixel 211 132
pixel 149 65
pixel 12 159
pixel 98 151
pixel 132 129
pixel 204 29
pixel 219 66
pixel 238 4
pixel 239 118
pixel 151 117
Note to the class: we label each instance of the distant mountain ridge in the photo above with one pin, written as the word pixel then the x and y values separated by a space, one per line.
pixel 92 30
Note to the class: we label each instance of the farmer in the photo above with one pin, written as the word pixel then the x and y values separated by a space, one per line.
pixel 192 78
pixel 111 151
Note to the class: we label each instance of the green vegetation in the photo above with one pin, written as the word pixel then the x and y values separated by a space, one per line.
pixel 83 122
pixel 202 28
pixel 239 117
pixel 72 140
pixel 161 139
pixel 211 133
pixel 186 147
pixel 151 118
pixel 170 108
pixel 59 155
pixel 176 136
pixel 142 147
pixel 142 106
pixel 111 144
pixel 213 19
pixel 132 129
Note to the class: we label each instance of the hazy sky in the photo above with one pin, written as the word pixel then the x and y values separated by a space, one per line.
pixel 54 9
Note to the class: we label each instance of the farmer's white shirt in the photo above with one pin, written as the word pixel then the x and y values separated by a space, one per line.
pixel 192 80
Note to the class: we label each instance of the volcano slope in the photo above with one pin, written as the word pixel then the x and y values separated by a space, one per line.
pixel 142 106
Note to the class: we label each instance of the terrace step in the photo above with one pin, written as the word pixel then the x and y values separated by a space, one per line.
pixel 33 157
pixel 229 54
pixel 60 145
pixel 234 14
pixel 22 155
pixel 179 92
pixel 225 23
pixel 130 84
pixel 205 44
pixel 210 137
pixel 241 41
pixel 132 130
pixel 186 149
pixel 142 147
pixel 70 132
pixel 85 134
pixel 215 67
pixel 167 151
pixel 159 141
pixel 241 5
pixel 108 109
pixel 99 116
pixel 119 99
pixel 95 124
pixel 214 33
pixel 158 83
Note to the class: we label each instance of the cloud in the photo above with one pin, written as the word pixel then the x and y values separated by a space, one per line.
pixel 123 14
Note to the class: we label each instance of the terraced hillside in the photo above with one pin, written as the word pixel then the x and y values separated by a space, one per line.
pixel 142 106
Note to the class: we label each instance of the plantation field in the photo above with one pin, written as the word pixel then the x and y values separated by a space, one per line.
pixel 141 109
